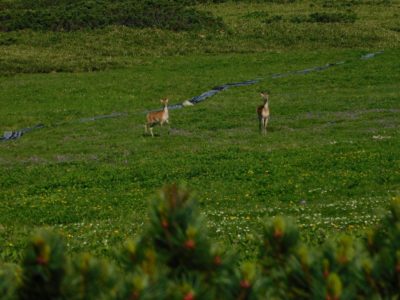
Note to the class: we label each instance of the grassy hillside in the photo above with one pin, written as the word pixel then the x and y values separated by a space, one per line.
pixel 330 158
pixel 85 14
pixel 249 28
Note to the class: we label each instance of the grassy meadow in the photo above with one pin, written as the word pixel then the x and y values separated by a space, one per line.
pixel 330 158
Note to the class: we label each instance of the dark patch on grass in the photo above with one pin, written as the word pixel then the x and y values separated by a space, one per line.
pixel 69 16
pixel 273 19
pixel 8 40
pixel 351 3
pixel 256 15
pixel 325 17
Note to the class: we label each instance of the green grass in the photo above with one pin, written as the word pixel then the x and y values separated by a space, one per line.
pixel 330 158
pixel 78 15
pixel 376 27
pixel 333 141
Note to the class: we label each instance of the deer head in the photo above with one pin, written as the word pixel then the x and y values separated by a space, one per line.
pixel 265 96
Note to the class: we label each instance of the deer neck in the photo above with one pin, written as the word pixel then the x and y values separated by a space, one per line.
pixel 165 110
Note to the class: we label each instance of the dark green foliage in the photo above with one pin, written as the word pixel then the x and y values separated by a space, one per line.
pixel 337 17
pixel 382 268
pixel 176 238
pixel 340 3
pixel 350 3
pixel 325 17
pixel 10 276
pixel 87 276
pixel 280 242
pixel 7 41
pixel 43 268
pixel 174 259
pixel 177 232
pixel 279 1
pixel 318 17
pixel 299 19
pixel 256 15
pixel 91 14
pixel 274 18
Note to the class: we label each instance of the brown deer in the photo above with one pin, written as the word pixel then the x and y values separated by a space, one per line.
pixel 157 117
pixel 263 113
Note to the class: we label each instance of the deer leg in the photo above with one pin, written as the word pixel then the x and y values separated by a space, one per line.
pixel 263 126
pixel 169 126
pixel 266 123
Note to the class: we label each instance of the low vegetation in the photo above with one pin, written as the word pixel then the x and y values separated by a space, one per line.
pixel 174 259
pixel 324 17
pixel 76 15
pixel 329 158
pixel 199 29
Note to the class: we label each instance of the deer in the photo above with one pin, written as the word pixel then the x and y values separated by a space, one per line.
pixel 157 117
pixel 263 113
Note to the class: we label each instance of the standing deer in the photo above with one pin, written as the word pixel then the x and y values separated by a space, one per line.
pixel 157 117
pixel 263 113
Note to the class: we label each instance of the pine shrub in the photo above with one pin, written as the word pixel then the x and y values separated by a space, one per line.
pixel 175 259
